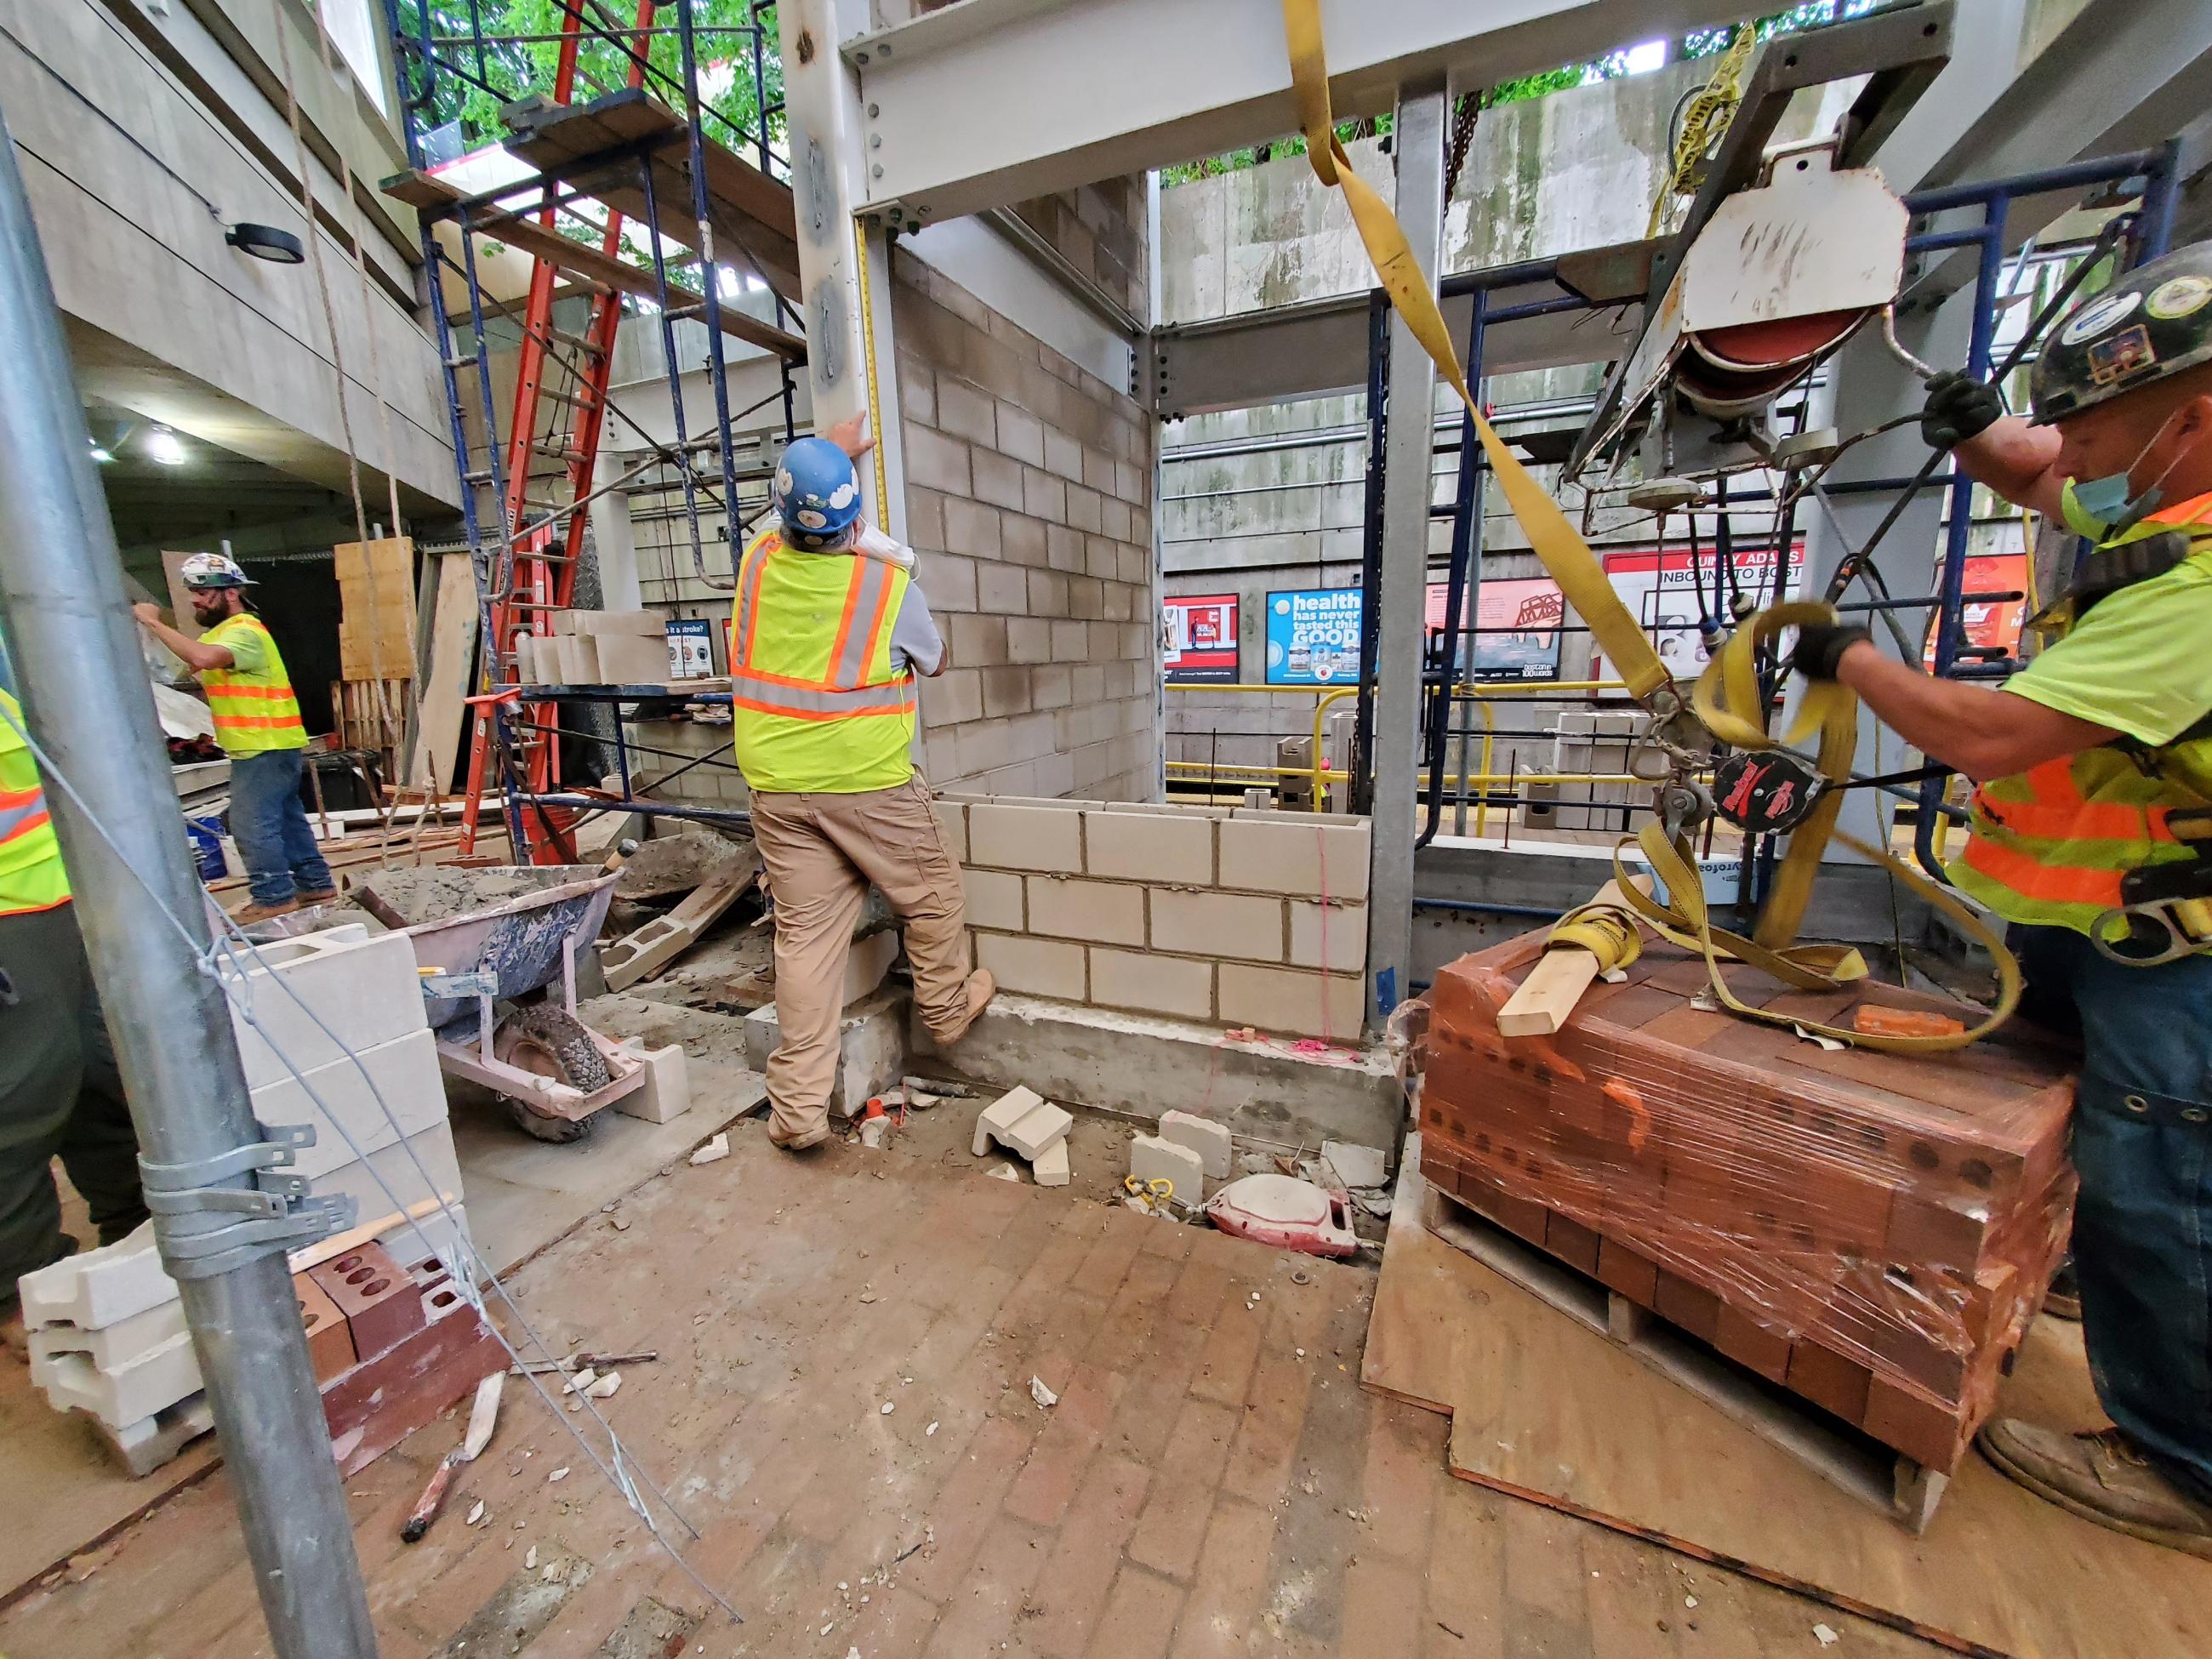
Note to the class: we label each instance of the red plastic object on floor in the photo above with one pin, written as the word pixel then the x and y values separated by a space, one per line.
pixel 1286 1212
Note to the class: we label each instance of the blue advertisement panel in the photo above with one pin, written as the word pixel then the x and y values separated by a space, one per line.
pixel 1313 637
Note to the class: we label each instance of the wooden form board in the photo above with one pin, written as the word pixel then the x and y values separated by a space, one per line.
pixel 445 675
pixel 1546 1409
pixel 180 599
pixel 376 618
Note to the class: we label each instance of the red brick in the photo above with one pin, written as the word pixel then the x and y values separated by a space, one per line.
pixel 896 1624
pixel 1109 1260
pixel 1137 1306
pixel 982 1611
pixel 1383 1609
pixel 1173 1526
pixel 1096 1526
pixel 1224 1368
pixel 1140 1618
pixel 1259 1469
pixel 1829 1380
pixel 1232 1572
pixel 1040 1492
pixel 962 1512
pixel 1154 1396
pixel 1398 1489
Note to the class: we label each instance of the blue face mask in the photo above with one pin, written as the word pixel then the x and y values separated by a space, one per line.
pixel 2108 502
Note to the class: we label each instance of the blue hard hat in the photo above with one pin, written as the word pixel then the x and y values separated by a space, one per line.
pixel 816 493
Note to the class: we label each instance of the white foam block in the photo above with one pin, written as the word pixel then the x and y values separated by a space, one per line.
pixel 405 1076
pixel 362 986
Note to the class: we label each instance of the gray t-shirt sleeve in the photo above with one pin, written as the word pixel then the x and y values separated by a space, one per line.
pixel 915 636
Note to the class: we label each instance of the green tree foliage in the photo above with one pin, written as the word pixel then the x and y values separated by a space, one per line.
pixel 492 52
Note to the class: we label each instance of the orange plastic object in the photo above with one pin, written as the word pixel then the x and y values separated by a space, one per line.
pixel 1871 1019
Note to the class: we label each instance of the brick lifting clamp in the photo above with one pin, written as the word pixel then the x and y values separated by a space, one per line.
pixel 1726 705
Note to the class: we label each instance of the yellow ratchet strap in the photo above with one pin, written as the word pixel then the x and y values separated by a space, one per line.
pixel 1606 930
pixel 1727 696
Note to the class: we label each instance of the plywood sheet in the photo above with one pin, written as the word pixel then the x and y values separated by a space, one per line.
pixel 1546 1409
pixel 446 677
pixel 376 619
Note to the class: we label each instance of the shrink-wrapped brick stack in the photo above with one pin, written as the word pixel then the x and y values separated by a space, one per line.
pixel 1873 1232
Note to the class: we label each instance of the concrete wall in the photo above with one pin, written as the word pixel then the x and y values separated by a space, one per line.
pixel 144 130
pixel 1213 916
pixel 1029 499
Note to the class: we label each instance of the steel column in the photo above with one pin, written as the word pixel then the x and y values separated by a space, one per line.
pixel 77 656
pixel 1400 595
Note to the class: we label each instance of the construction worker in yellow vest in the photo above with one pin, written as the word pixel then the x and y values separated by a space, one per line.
pixel 2092 834
pixel 828 635
pixel 60 1094
pixel 256 722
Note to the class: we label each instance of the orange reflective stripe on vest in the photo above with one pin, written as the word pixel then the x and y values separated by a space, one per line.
pixel 31 873
pixel 254 710
pixel 22 811
pixel 2057 813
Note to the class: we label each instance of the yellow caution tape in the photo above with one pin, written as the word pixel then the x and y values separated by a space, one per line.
pixel 1726 697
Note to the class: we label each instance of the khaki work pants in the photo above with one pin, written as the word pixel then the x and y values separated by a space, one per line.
pixel 821 852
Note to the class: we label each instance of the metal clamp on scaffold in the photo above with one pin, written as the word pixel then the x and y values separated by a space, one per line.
pixel 278 1213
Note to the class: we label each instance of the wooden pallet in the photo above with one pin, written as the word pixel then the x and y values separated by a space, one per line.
pixel 1839 1452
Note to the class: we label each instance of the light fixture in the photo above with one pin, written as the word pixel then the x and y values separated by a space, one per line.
pixel 279 247
pixel 165 446
pixel 101 452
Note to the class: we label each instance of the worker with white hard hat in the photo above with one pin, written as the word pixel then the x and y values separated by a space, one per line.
pixel 256 722
pixel 2092 834
pixel 829 633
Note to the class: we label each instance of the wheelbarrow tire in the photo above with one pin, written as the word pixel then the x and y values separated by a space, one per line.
pixel 547 1038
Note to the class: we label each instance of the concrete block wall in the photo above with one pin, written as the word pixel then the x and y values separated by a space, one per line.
pixel 1029 499
pixel 1210 914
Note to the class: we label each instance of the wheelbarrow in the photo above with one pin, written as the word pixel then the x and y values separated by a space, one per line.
pixel 484 967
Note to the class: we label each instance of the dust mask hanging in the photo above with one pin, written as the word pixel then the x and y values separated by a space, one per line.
pixel 2103 507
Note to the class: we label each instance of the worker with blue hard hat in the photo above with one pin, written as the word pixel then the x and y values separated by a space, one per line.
pixel 829 632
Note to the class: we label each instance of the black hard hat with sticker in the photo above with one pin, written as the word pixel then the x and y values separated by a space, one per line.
pixel 2153 323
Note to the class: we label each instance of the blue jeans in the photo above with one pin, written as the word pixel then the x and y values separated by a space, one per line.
pixel 271 827
pixel 2142 1228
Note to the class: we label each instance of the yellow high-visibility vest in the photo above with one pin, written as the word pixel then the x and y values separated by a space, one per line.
pixel 31 873
pixel 817 706
pixel 253 711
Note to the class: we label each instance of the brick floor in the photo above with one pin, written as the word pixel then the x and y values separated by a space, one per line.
pixel 1212 1481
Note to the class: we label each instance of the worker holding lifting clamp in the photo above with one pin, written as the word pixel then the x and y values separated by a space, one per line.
pixel 60 1093
pixel 2091 835
pixel 830 631
pixel 256 722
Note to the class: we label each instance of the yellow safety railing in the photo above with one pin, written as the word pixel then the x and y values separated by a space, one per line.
pixel 1322 775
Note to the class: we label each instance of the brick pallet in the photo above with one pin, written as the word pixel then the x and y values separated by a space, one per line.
pixel 1871 1231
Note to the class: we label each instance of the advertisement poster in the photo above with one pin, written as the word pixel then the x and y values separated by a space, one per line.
pixel 1529 611
pixel 1660 593
pixel 691 649
pixel 1313 637
pixel 1200 635
pixel 1990 623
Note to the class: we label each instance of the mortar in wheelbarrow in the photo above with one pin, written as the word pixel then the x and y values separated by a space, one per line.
pixel 512 922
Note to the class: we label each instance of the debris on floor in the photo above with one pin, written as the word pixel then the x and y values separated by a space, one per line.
pixel 1044 1396
pixel 1023 1121
pixel 714 1151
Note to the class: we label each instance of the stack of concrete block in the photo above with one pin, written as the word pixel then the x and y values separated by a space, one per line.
pixel 1187 1151
pixel 310 1001
pixel 1594 741
pixel 597 647
pixel 1248 918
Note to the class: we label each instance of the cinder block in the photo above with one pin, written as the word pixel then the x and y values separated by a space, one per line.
pixel 1152 1157
pixel 405 1076
pixel 143 1447
pixel 566 622
pixel 157 1378
pixel 113 1346
pixel 1050 1167
pixel 379 1297
pixel 1176 986
pixel 1041 966
pixel 1022 1120
pixel 952 822
pixel 995 900
pixel 1245 926
pixel 432 1148
pixel 579 658
pixel 362 986
pixel 1302 853
pixel 866 962
pixel 632 660
pixel 871 1045
pixel 1342 928
pixel 1284 999
pixel 1009 837
pixel 1156 847
pixel 1202 1135
pixel 98 1288
pixel 620 624
pixel 1109 913
pixel 666 1090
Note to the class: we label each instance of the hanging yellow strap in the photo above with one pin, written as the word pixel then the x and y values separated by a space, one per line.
pixel 1727 696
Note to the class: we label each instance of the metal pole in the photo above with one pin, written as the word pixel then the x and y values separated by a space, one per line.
pixel 77 656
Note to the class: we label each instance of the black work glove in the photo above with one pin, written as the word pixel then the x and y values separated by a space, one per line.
pixel 1959 407
pixel 1820 647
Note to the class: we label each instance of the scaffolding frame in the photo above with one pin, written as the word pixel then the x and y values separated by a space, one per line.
pixel 601 170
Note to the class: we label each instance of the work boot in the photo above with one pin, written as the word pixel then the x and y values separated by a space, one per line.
pixel 259 912
pixel 979 988
pixel 311 897
pixel 802 1140
pixel 2101 1477
pixel 2063 1299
